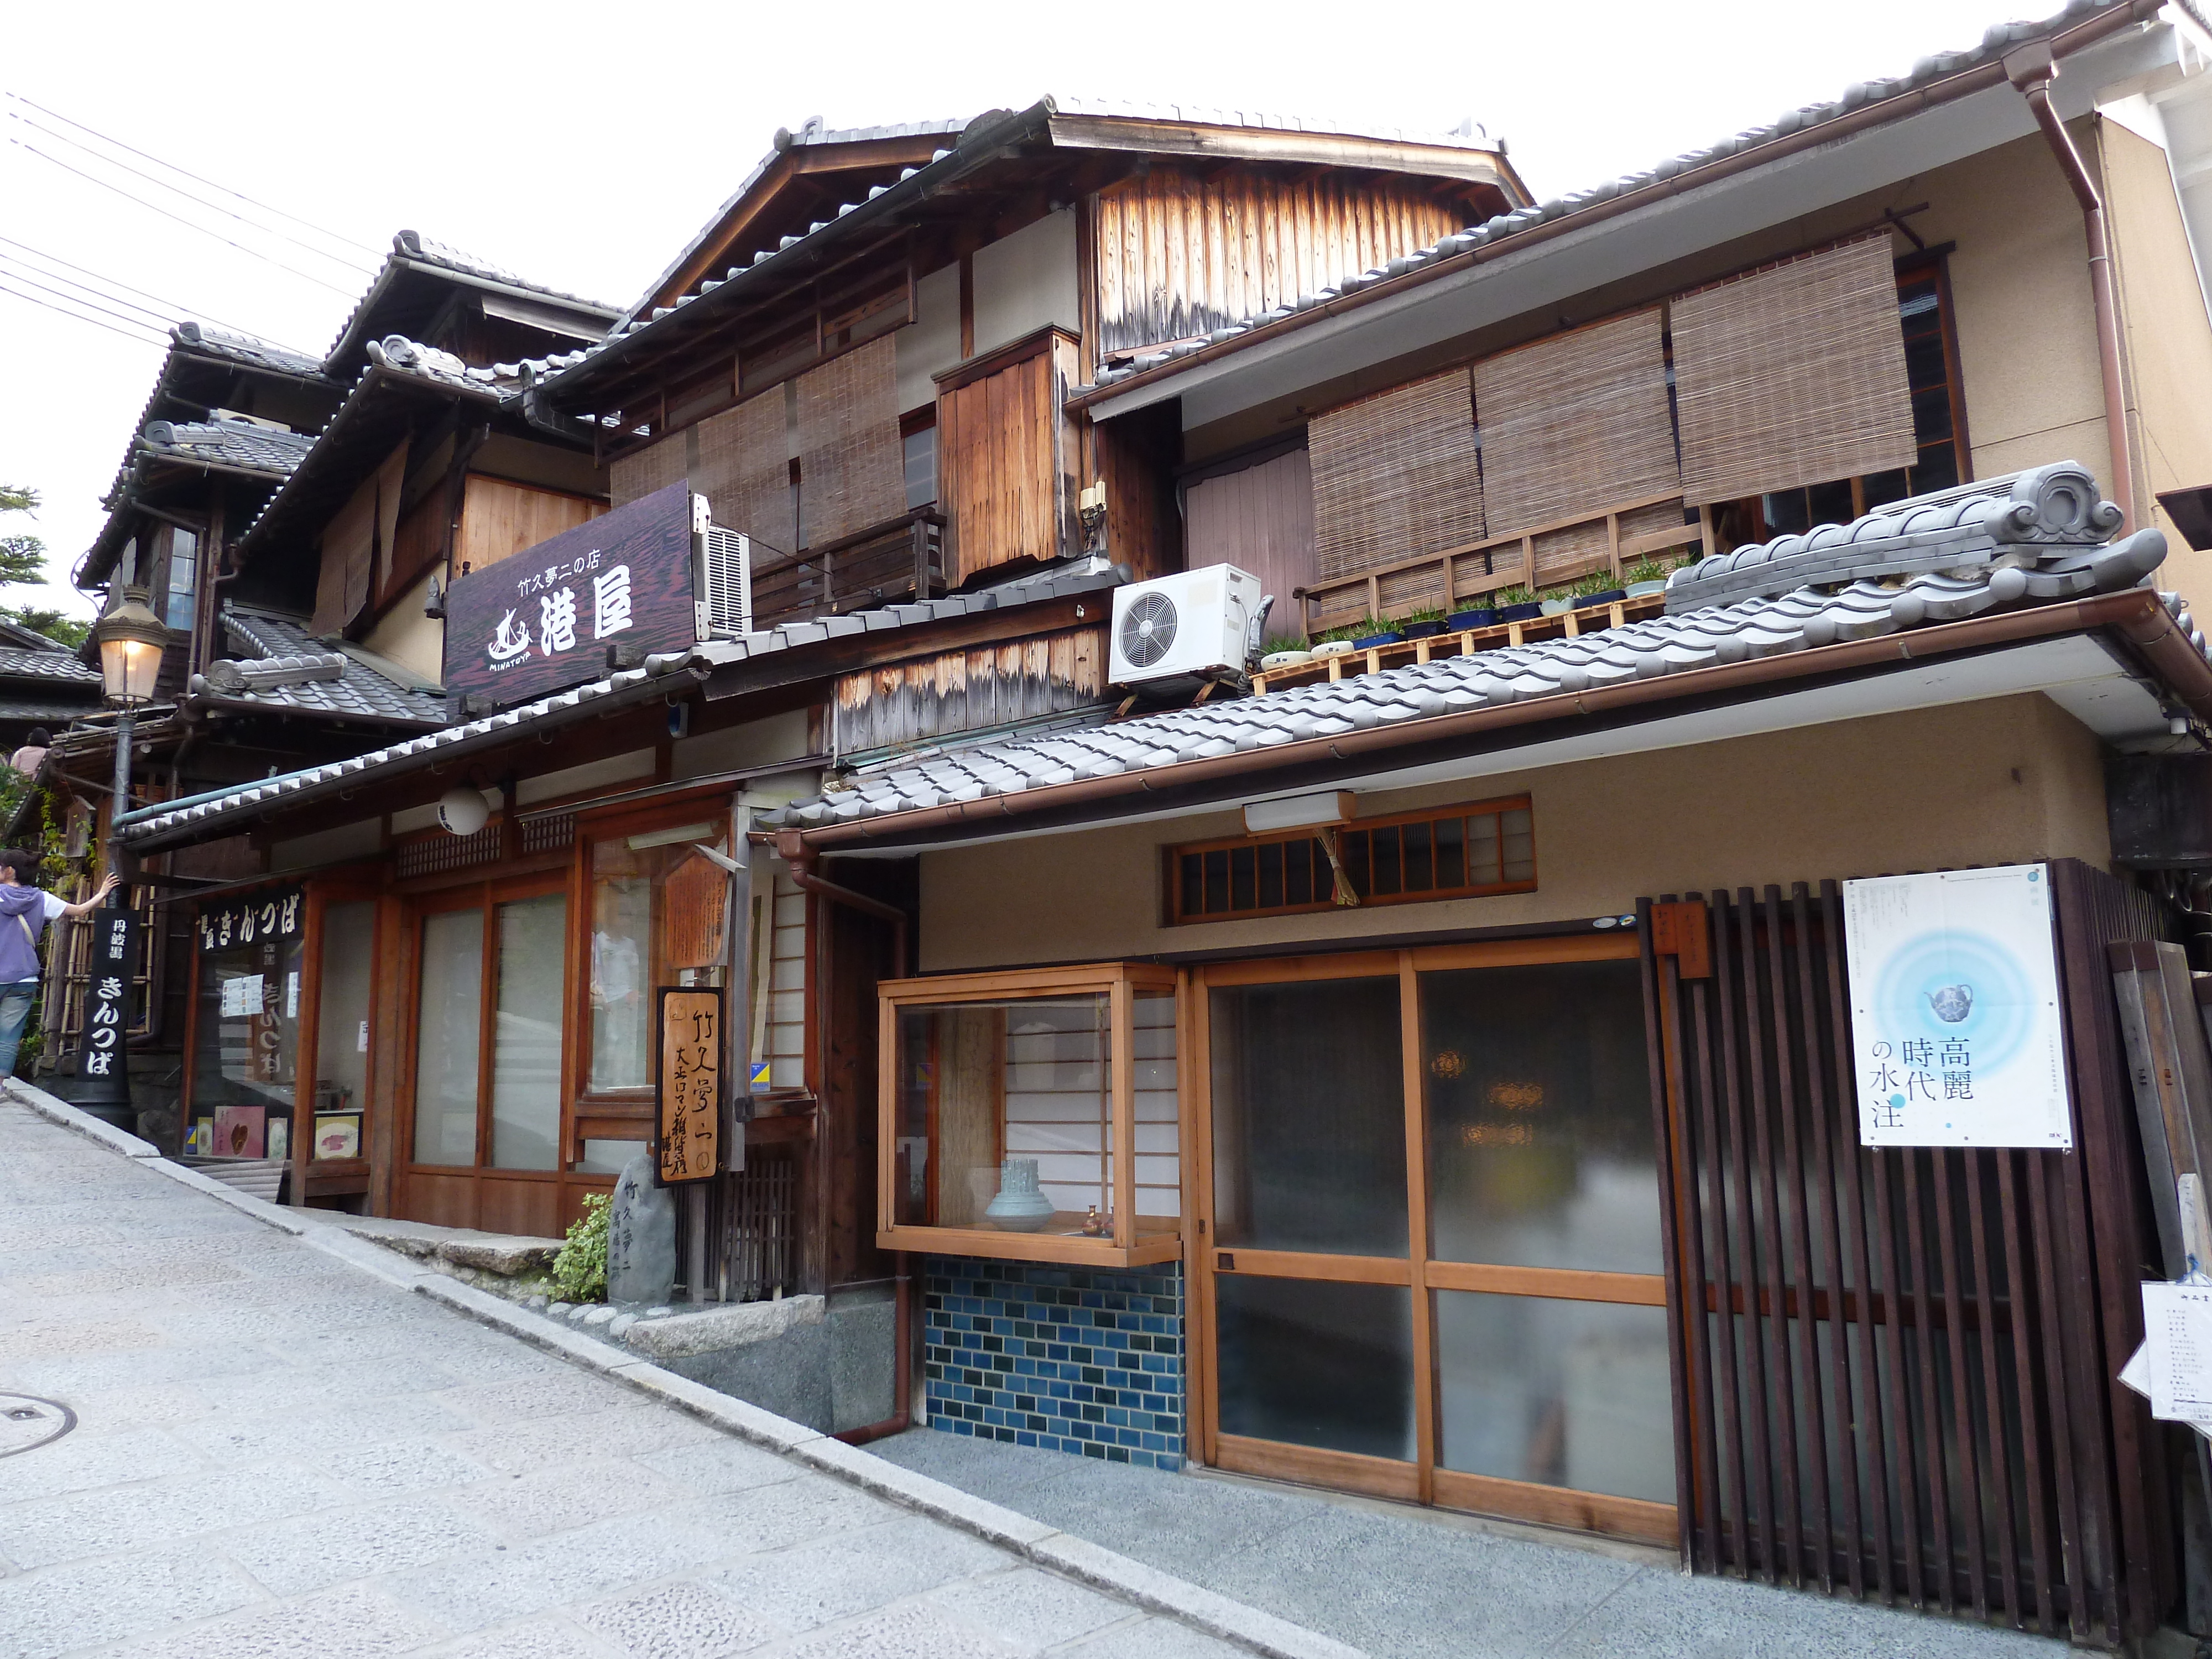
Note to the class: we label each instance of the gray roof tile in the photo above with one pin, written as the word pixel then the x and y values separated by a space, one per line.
pixel 290 669
pixel 59 665
pixel 229 443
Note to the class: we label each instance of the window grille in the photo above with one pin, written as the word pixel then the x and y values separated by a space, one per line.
pixel 545 835
pixel 438 852
pixel 1453 851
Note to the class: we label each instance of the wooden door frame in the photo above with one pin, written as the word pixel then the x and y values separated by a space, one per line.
pixel 320 895
pixel 1421 1479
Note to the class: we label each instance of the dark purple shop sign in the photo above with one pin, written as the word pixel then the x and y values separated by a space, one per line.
pixel 541 621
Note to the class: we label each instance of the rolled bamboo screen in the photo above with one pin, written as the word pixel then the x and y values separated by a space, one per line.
pixel 852 470
pixel 349 558
pixel 1793 375
pixel 634 477
pixel 744 470
pixel 1394 476
pixel 1576 421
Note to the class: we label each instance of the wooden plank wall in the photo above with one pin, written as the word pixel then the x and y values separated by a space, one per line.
pixel 969 690
pixel 1006 457
pixel 1182 252
pixel 499 519
pixel 1259 520
pixel 1135 457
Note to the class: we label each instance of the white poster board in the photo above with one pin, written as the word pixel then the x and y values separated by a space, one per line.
pixel 2178 1349
pixel 1955 1029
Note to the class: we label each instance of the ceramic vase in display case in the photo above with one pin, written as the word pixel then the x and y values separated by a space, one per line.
pixel 1020 1207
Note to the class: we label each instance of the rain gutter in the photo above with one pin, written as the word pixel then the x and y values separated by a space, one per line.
pixel 2137 614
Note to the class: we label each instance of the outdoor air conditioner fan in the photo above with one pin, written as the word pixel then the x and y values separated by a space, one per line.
pixel 1193 626
pixel 1147 629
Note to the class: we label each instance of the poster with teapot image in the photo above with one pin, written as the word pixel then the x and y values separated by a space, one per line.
pixel 1955 1030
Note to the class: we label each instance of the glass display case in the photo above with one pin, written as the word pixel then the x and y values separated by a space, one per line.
pixel 1033 1115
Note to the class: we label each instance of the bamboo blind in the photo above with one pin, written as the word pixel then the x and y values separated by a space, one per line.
pixel 1793 375
pixel 1394 476
pixel 1573 419
pixel 634 477
pixel 744 471
pixel 852 468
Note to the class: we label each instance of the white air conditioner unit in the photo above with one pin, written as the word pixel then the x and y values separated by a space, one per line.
pixel 724 584
pixel 1194 623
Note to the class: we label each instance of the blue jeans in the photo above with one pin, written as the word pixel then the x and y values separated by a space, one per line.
pixel 14 1014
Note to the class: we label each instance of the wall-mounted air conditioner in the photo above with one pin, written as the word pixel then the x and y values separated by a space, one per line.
pixel 1194 623
pixel 724 582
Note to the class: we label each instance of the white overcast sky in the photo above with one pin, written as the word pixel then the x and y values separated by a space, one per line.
pixel 580 146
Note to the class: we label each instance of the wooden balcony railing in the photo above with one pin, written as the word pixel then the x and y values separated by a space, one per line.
pixel 1542 556
pixel 899 559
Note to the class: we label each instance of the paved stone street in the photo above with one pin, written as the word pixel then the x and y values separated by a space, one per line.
pixel 1395 1581
pixel 277 1453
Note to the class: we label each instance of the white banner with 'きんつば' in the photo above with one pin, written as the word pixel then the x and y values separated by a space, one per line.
pixel 1956 1035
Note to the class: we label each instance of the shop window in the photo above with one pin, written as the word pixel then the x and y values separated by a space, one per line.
pixel 349 964
pixel 1036 1115
pixel 656 919
pixel 182 579
pixel 1454 852
pixel 245 1051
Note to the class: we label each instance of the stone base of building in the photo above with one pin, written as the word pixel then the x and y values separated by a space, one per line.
pixel 1073 1359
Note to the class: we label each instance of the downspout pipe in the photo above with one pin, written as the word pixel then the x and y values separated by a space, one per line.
pixel 791 847
pixel 2032 68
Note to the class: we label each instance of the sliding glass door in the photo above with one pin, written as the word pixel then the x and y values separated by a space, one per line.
pixel 1433 1267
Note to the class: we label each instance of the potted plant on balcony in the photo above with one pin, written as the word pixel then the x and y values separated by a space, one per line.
pixel 1598 588
pixel 1467 619
pixel 1517 604
pixel 1375 631
pixel 1336 642
pixel 1645 577
pixel 1556 601
pixel 1284 651
pixel 1423 623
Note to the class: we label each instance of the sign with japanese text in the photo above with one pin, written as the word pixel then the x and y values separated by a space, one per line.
pixel 107 991
pixel 542 620
pixel 689 1081
pixel 232 924
pixel 1955 1027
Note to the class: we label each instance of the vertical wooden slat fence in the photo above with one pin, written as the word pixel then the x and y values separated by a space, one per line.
pixel 1894 1366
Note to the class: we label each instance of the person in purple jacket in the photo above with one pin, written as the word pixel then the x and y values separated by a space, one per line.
pixel 25 911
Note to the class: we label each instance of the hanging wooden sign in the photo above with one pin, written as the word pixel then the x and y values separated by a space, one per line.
pixel 107 1011
pixel 688 1082
pixel 693 900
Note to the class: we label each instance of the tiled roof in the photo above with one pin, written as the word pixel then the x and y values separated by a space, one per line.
pixel 55 709
pixel 1967 577
pixel 1088 576
pixel 229 443
pixel 209 341
pixel 411 248
pixel 289 669
pixel 1995 41
pixel 59 665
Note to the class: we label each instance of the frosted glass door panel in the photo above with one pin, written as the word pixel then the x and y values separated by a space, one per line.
pixel 448 1030
pixel 1309 1117
pixel 1158 1148
pixel 1316 1363
pixel 1558 1393
pixel 1538 1099
pixel 526 1073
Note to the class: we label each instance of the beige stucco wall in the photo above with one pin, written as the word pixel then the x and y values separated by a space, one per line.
pixel 411 639
pixel 2009 780
pixel 2166 339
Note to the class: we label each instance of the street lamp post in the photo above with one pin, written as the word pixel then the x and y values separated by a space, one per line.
pixel 131 641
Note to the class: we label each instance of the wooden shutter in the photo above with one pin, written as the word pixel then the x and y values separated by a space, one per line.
pixel 634 477
pixel 1258 519
pixel 349 555
pixel 1006 458
pixel 499 519
pixel 1576 423
pixel 852 468
pixel 745 473
pixel 1394 476
pixel 1794 376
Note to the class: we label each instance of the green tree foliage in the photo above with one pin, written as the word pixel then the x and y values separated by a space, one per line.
pixel 66 630
pixel 580 1270
pixel 23 558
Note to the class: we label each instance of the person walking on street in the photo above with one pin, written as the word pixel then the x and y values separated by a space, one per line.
pixel 25 911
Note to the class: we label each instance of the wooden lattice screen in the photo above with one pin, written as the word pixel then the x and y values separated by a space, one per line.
pixel 1893 1368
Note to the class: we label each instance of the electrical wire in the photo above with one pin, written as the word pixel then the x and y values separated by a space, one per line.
pixel 188 224
pixel 130 333
pixel 109 281
pixel 344 260
pixel 374 253
pixel 161 320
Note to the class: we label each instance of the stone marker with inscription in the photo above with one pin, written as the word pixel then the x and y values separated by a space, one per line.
pixel 641 1236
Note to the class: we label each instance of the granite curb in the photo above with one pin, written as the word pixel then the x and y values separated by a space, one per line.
pixel 1044 1545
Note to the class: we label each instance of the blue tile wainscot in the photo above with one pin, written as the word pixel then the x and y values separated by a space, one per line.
pixel 1075 1359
